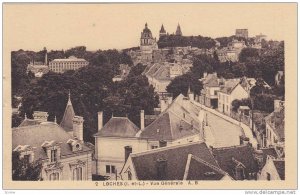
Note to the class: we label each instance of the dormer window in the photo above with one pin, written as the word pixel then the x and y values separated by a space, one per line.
pixel 53 155
pixel 75 144
pixel 53 150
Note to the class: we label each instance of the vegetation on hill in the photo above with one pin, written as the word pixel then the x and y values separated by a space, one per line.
pixel 92 90
pixel 184 41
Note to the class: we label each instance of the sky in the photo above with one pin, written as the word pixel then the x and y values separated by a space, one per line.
pixel 119 26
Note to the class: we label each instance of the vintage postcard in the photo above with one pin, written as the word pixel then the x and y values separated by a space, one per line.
pixel 150 96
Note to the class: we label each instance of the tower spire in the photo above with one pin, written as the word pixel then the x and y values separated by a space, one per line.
pixel 69 100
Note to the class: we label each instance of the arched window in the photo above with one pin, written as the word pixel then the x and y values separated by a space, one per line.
pixel 54 176
pixel 77 173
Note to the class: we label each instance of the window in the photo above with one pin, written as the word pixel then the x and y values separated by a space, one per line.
pixel 154 147
pixel 268 176
pixel 110 169
pixel 129 175
pixel 53 155
pixel 26 158
pixel 77 173
pixel 54 176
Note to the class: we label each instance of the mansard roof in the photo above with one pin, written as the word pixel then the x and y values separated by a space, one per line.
pixel 36 135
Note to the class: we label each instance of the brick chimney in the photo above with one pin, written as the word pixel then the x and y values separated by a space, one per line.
pixel 78 127
pixel 142 119
pixel 40 116
pixel 100 120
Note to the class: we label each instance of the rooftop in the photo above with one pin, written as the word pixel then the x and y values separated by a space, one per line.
pixel 118 127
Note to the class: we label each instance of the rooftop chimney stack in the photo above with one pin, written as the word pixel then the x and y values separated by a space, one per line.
pixel 142 119
pixel 100 120
pixel 78 127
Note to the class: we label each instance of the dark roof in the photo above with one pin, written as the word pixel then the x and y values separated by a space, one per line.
pixel 176 158
pixel 67 120
pixel 268 152
pixel 228 156
pixel 118 127
pixel 168 126
pixel 36 135
pixel 280 167
pixel 211 80
pixel 29 122
pixel 198 169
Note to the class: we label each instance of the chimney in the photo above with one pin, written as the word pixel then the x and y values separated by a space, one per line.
pixel 142 119
pixel 128 151
pixel 204 74
pixel 40 116
pixel 161 167
pixel 100 120
pixel 162 143
pixel 78 127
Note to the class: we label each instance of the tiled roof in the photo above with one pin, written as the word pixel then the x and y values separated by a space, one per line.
pixel 67 120
pixel 29 122
pixel 198 169
pixel 70 59
pixel 226 158
pixel 229 85
pixel 118 127
pixel 145 163
pixel 211 80
pixel 280 167
pixel 36 135
pixel 168 126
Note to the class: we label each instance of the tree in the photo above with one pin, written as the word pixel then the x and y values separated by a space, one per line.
pixel 181 84
pixel 243 102
pixel 22 170
pixel 248 53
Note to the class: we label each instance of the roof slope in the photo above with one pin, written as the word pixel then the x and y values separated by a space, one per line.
pixel 146 163
pixel 118 127
pixel 168 126
pixel 280 167
pixel 36 135
pixel 29 122
pixel 226 158
pixel 199 169
pixel 67 120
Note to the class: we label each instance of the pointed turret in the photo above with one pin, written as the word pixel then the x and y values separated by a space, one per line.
pixel 162 31
pixel 178 30
pixel 69 114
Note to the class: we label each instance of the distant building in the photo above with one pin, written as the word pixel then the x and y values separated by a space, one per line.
pixel 71 63
pixel 241 33
pixel 208 95
pixel 275 133
pixel 231 90
pixel 39 68
pixel 64 154
pixel 178 31
pixel 147 44
pixel 195 162
pixel 274 169
pixel 238 161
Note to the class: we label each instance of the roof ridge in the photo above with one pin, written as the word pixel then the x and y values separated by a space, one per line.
pixel 165 148
pixel 48 123
pixel 230 147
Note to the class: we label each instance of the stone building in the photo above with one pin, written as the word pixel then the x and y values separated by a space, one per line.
pixel 71 63
pixel 63 152
pixel 241 33
pixel 147 44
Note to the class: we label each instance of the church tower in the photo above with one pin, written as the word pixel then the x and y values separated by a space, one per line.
pixel 146 36
pixel 162 31
pixel 178 31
